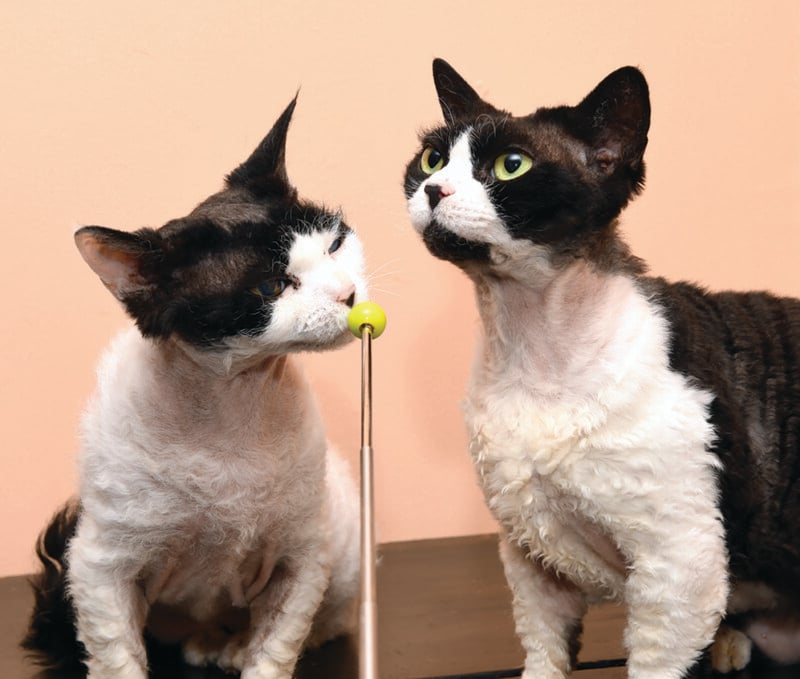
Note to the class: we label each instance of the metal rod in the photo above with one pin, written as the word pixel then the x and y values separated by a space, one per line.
pixel 368 613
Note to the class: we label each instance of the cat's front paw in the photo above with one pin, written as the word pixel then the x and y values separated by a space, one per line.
pixel 542 672
pixel 266 668
pixel 731 650
pixel 215 647
pixel 538 675
pixel 202 649
pixel 128 671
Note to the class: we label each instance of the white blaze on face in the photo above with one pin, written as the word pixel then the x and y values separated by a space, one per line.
pixel 314 310
pixel 465 208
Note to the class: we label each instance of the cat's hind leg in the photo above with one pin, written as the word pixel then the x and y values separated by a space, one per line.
pixel 547 611
pixel 731 650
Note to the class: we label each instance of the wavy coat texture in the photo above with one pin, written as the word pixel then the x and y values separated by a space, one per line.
pixel 635 439
pixel 213 513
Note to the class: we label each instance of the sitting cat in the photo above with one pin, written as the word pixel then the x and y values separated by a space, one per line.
pixel 637 440
pixel 211 511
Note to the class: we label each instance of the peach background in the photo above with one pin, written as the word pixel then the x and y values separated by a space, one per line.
pixel 127 114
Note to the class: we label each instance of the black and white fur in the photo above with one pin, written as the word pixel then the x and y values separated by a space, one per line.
pixel 637 440
pixel 211 510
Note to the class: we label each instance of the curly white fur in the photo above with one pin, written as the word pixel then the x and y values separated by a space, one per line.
pixel 593 456
pixel 209 490
pixel 592 453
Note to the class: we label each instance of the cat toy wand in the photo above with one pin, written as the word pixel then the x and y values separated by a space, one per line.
pixel 367 321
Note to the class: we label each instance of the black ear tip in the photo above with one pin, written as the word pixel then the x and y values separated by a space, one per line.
pixel 632 76
pixel 286 116
pixel 442 68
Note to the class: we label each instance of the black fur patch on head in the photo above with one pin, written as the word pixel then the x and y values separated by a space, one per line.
pixel 458 100
pixel 202 276
pixel 586 162
pixel 264 172
pixel 197 277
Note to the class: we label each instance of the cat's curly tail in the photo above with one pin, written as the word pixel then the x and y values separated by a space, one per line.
pixel 51 637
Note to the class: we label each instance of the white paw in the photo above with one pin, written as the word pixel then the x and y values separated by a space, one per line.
pixel 201 649
pixel 129 671
pixel 234 654
pixel 266 668
pixel 731 650
pixel 212 647
pixel 542 673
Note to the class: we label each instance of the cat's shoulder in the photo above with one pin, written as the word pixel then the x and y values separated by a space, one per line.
pixel 691 303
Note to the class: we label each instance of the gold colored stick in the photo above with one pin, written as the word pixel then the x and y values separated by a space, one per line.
pixel 367 321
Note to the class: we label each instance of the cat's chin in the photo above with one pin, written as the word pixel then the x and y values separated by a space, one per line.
pixel 445 244
pixel 343 338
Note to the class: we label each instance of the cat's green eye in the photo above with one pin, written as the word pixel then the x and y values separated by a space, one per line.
pixel 271 288
pixel 511 165
pixel 431 161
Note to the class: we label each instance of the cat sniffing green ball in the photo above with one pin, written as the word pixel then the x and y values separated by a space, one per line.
pixel 367 314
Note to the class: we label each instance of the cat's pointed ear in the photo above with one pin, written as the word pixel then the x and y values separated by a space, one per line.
pixel 614 118
pixel 456 96
pixel 264 171
pixel 117 257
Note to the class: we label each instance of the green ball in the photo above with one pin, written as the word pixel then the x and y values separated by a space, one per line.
pixel 367 313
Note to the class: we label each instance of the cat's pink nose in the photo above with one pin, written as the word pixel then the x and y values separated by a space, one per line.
pixel 438 191
pixel 348 297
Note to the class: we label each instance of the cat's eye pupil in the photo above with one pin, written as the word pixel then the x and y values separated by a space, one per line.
pixel 272 288
pixel 509 166
pixel 432 160
pixel 336 245
pixel 512 163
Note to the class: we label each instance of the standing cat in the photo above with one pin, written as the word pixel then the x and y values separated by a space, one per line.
pixel 637 440
pixel 211 510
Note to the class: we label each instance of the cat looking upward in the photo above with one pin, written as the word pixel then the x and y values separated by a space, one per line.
pixel 637 440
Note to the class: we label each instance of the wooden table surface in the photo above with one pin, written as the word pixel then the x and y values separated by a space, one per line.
pixel 444 611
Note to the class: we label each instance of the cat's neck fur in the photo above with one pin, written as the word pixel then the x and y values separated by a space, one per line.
pixel 558 333
pixel 224 364
pixel 195 396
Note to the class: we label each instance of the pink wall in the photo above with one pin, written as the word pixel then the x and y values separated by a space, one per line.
pixel 125 116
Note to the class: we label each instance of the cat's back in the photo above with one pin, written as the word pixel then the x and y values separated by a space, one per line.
pixel 748 334
pixel 744 348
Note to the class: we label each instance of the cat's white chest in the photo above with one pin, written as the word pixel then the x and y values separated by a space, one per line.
pixel 205 483
pixel 574 427
pixel 526 456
